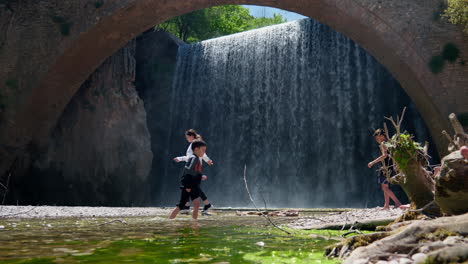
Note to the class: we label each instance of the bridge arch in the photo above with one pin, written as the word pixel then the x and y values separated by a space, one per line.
pixel 367 24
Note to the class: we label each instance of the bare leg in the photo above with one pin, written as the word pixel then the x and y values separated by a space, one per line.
pixel 206 202
pixel 394 198
pixel 174 212
pixel 390 195
pixel 196 206
pixel 386 197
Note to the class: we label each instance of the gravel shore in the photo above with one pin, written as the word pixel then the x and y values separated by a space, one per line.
pixel 78 211
pixel 304 221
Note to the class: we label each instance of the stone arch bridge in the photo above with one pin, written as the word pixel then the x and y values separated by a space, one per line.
pixel 49 47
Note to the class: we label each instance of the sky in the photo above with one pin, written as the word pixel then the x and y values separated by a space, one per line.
pixel 260 11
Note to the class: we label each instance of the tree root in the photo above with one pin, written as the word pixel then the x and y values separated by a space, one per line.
pixel 344 248
pixel 421 236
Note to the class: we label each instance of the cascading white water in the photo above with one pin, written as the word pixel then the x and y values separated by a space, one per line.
pixel 296 104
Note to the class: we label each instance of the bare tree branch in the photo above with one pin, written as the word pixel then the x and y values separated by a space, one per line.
pixel 25 212
pixel 251 199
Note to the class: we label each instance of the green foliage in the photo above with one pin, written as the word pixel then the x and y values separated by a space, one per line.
pixel 436 64
pixel 457 13
pixel 450 52
pixel 98 4
pixel 215 22
pixel 63 23
pixel 403 149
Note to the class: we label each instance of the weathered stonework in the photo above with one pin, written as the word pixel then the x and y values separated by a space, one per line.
pixel 99 153
pixel 44 67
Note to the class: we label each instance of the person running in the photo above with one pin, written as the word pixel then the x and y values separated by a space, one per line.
pixel 191 178
pixel 380 138
pixel 191 135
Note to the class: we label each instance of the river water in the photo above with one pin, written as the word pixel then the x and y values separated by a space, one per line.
pixel 220 238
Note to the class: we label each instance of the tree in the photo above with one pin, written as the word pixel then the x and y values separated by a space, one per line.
pixel 457 13
pixel 216 22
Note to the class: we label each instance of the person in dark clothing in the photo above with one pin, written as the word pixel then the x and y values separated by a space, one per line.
pixel 190 182
pixel 192 135
pixel 380 137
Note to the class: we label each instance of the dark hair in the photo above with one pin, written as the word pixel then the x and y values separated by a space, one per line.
pixel 198 143
pixel 193 133
pixel 379 132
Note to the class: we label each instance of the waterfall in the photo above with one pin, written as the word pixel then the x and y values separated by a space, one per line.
pixel 296 104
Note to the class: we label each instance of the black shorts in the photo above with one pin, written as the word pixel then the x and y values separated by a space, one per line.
pixel 382 179
pixel 202 195
pixel 185 196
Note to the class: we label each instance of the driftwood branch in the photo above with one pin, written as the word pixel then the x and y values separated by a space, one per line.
pixel 457 127
pixel 402 115
pixel 386 129
pixel 6 188
pixel 447 136
pixel 10 170
pixel 251 199
pixel 354 231
pixel 14 214
pixel 394 124
pixel 460 138
pixel 398 122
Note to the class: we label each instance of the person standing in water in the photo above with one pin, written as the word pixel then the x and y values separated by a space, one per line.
pixel 380 137
pixel 190 136
pixel 190 181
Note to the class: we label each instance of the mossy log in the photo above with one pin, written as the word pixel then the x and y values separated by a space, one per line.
pixel 410 159
pixel 419 187
pixel 418 184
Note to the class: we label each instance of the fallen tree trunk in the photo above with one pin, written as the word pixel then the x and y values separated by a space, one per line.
pixel 370 225
pixel 409 159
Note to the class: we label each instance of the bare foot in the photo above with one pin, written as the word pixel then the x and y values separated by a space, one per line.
pixel 404 206
pixel 385 208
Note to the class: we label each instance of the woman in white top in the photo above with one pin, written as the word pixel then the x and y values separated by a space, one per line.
pixel 190 136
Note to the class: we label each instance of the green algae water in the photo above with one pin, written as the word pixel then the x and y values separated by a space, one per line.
pixel 222 238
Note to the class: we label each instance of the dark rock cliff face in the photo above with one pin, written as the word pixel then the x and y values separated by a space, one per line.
pixel 155 65
pixel 99 153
